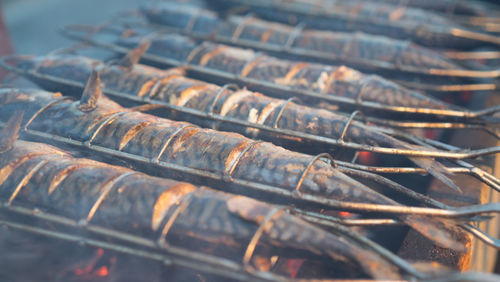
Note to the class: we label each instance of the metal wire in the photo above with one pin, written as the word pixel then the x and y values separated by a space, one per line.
pixel 266 223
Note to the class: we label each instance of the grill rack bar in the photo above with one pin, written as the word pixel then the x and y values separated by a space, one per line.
pixel 477 172
pixel 480 116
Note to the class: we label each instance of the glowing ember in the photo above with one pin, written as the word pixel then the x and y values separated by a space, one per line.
pixel 90 269
pixel 344 214
pixel 431 134
pixel 102 271
pixel 294 266
pixel 366 157
pixel 466 96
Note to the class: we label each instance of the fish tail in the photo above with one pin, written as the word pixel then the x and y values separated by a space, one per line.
pixel 371 263
pixel 439 231
pixel 433 167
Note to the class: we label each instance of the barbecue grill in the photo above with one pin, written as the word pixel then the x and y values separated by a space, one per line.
pixel 431 190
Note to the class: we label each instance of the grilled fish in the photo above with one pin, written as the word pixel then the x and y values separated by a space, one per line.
pixel 43 177
pixel 355 49
pixel 173 87
pixel 108 125
pixel 326 80
pixel 422 27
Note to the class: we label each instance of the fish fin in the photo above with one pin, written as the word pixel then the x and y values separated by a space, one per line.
pixel 344 249
pixel 432 166
pixel 437 170
pixel 438 231
pixel 10 132
pixel 133 57
pixel 91 93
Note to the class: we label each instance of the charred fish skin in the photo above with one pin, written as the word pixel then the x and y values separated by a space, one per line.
pixel 44 177
pixel 229 155
pixel 364 17
pixel 242 104
pixel 244 63
pixel 173 87
pixel 345 45
pixel 114 127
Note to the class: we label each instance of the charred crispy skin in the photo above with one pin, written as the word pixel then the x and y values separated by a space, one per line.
pixel 174 88
pixel 422 27
pixel 40 176
pixel 325 79
pixel 160 140
pixel 345 45
pixel 115 127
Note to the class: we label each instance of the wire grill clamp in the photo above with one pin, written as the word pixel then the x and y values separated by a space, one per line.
pixel 42 109
pixel 162 241
pixel 228 172
pixel 240 27
pixel 363 207
pixel 297 192
pixel 347 124
pixel 297 30
pixel 169 140
pixel 282 110
pixel 266 223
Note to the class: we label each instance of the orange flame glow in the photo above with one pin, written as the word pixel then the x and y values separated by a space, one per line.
pixel 90 268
